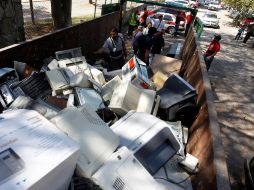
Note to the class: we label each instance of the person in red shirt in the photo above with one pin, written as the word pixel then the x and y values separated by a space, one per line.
pixel 143 18
pixel 189 18
pixel 212 50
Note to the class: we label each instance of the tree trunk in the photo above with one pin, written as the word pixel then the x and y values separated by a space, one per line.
pixel 61 13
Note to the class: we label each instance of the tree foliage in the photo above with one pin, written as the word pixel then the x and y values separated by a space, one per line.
pixel 243 6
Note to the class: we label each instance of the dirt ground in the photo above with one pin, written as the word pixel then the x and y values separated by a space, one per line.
pixel 232 78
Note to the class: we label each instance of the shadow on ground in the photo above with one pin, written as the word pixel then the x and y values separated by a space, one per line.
pixel 232 78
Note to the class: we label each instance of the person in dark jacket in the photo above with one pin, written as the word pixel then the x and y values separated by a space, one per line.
pixel 177 23
pixel 144 45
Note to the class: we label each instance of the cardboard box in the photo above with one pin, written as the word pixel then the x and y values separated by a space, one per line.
pixel 165 65
pixel 159 79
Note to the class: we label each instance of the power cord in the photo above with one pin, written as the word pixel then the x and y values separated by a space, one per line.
pixel 171 181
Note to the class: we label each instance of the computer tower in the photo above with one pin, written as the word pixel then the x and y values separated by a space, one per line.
pixel 128 97
pixel 97 141
pixel 178 100
pixel 34 154
pixel 124 171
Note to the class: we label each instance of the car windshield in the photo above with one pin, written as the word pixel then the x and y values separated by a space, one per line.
pixel 211 15
pixel 182 2
pixel 168 18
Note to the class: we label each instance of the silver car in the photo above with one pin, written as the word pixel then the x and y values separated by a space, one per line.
pixel 210 19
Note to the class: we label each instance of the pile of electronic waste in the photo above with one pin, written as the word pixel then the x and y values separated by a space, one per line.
pixel 117 129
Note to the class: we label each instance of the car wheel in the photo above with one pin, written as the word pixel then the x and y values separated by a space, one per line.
pixel 218 27
pixel 170 30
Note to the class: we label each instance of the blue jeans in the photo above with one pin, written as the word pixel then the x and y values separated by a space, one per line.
pixel 208 61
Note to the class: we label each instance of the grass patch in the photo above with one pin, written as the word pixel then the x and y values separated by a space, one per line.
pixel 45 26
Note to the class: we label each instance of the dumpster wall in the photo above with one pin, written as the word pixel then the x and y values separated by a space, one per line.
pixel 89 35
pixel 204 135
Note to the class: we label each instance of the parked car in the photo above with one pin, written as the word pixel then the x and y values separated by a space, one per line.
pixel 201 2
pixel 215 5
pixel 169 20
pixel 194 3
pixel 210 19
pixel 179 3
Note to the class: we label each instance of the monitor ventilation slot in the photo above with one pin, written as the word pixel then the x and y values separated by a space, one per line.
pixel 118 184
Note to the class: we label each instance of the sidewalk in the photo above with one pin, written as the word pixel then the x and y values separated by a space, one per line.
pixel 231 75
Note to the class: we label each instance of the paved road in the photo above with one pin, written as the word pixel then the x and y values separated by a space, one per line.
pixel 232 79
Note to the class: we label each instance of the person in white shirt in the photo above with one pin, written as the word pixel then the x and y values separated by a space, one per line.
pixel 146 29
pixel 159 23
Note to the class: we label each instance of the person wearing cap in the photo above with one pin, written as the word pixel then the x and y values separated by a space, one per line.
pixel 159 23
pixel 212 50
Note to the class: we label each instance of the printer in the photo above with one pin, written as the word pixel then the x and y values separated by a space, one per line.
pixel 124 171
pixel 34 154
pixel 69 53
pixel 155 146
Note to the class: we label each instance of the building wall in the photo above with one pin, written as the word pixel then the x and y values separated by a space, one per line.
pixel 11 22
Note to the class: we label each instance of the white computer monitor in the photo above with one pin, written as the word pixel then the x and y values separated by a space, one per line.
pixel 128 97
pixel 97 141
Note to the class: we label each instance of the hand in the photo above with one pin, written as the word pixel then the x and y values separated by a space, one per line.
pixel 125 54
